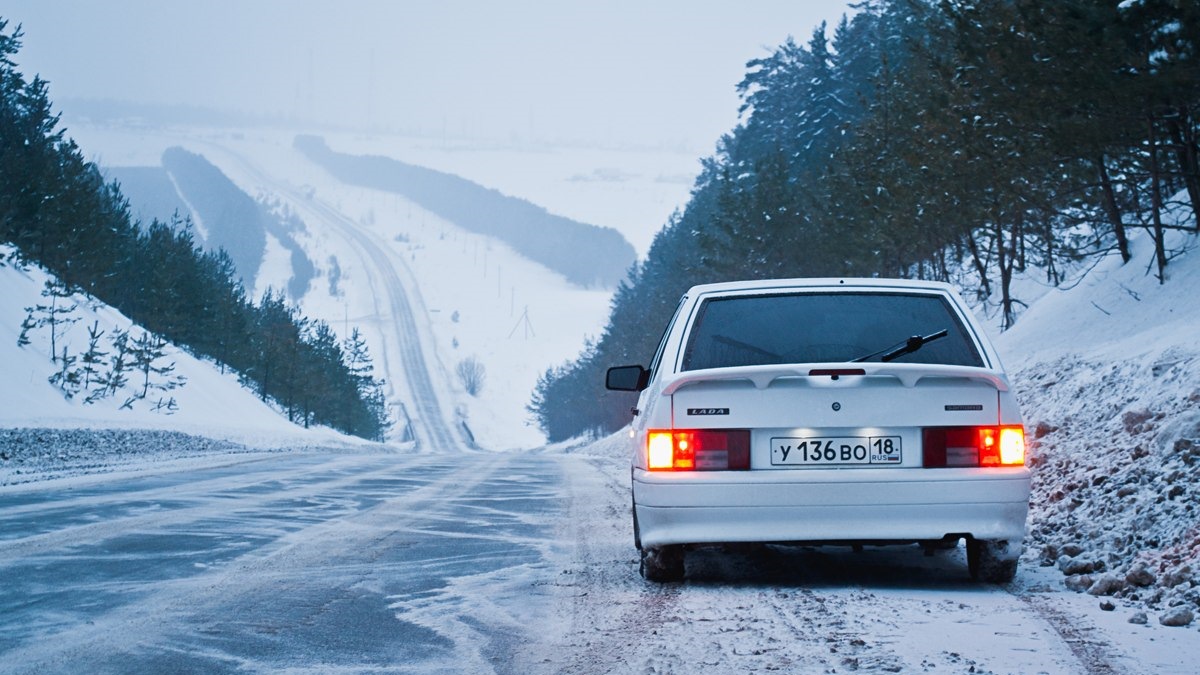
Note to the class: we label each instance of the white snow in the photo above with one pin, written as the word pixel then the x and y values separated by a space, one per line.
pixel 515 316
pixel 1108 376
pixel 209 403
pixel 1107 372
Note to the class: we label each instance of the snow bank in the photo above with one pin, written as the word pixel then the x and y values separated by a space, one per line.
pixel 36 454
pixel 1108 376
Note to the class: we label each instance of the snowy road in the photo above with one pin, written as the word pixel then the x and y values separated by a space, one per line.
pixel 482 562
pixel 307 562
pixel 389 295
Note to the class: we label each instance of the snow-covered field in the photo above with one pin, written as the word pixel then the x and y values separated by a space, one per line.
pixel 1108 374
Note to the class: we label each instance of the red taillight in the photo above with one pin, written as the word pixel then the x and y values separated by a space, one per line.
pixel 974 446
pixel 698 450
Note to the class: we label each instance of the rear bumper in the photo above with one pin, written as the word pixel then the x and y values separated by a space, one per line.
pixel 830 505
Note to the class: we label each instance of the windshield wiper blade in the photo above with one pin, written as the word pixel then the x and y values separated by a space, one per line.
pixel 908 346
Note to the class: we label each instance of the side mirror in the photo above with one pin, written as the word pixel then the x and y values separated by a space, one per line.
pixel 627 378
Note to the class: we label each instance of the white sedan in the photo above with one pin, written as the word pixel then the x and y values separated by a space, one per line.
pixel 826 411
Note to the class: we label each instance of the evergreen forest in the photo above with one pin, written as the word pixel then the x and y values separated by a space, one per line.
pixel 947 140
pixel 59 212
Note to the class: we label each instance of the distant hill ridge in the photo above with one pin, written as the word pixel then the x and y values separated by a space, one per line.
pixel 232 219
pixel 587 255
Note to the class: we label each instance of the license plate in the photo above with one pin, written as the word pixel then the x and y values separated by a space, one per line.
pixel 820 451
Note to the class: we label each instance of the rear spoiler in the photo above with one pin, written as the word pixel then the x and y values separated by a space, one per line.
pixel 762 377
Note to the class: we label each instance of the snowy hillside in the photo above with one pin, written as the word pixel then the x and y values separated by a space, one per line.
pixel 1108 375
pixel 204 402
pixel 473 297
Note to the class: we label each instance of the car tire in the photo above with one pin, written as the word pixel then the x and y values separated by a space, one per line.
pixel 662 564
pixel 985 564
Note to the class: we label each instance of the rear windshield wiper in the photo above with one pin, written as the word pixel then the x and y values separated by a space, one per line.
pixel 903 347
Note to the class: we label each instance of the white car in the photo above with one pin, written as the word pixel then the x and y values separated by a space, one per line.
pixel 826 411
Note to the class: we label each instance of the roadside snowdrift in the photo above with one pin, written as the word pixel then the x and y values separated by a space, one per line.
pixel 1108 375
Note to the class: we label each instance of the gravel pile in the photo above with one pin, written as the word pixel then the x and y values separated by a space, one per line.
pixel 1115 455
pixel 34 454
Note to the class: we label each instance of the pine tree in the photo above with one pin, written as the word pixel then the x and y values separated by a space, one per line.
pixel 119 364
pixel 56 314
pixel 93 358
pixel 66 378
pixel 147 357
pixel 27 324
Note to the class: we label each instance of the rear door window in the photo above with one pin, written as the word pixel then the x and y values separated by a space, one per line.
pixel 749 330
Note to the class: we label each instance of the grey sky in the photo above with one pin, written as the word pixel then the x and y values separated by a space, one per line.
pixel 608 72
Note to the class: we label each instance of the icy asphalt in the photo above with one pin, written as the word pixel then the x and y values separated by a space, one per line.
pixel 487 562
pixel 292 562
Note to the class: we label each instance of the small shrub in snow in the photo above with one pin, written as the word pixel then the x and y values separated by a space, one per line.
pixel 472 375
pixel 66 378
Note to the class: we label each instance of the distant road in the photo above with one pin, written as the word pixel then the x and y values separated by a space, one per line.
pixel 429 424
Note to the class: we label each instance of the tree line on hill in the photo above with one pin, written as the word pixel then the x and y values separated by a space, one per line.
pixel 233 220
pixel 922 139
pixel 587 255
pixel 57 210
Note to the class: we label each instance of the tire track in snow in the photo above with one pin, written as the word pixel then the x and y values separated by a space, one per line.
pixel 603 613
pixel 1094 656
pixel 787 609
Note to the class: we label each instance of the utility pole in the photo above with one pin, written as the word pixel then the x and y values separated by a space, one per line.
pixel 523 321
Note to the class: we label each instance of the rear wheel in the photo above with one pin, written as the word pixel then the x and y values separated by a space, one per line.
pixel 662 563
pixel 985 564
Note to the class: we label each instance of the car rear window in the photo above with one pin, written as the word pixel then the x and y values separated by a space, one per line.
pixel 749 330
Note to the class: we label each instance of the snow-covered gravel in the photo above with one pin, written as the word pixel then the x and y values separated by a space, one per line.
pixel 1107 371
pixel 38 454
pixel 1116 466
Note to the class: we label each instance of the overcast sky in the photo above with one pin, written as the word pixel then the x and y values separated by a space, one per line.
pixel 614 72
